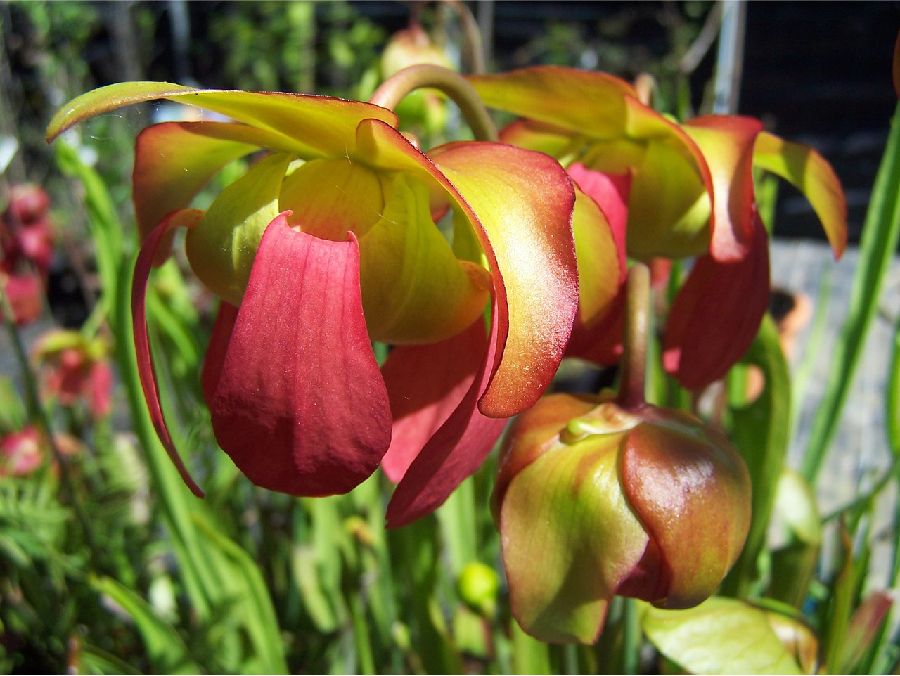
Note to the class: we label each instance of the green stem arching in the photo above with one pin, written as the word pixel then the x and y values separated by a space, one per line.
pixel 637 327
pixel 392 91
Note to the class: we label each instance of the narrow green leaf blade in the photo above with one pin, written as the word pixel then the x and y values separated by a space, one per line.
pixel 166 650
pixel 881 232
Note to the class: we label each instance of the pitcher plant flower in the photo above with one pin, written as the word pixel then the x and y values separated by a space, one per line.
pixel 689 194
pixel 329 242
pixel 614 496
pixel 74 370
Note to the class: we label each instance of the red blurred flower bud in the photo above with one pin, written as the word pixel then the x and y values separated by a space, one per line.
pixel 35 243
pixel 20 453
pixel 27 204
pixel 24 292
pixel 594 499
pixel 410 47
pixel 25 233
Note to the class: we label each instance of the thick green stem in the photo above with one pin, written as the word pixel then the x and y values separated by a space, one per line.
pixel 429 76
pixel 40 415
pixel 637 326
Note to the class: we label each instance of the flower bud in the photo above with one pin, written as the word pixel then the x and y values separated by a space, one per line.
pixel 25 293
pixel 25 232
pixel 27 203
pixel 477 587
pixel 21 453
pixel 422 109
pixel 409 47
pixel 594 499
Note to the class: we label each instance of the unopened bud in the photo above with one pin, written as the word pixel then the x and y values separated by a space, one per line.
pixel 594 500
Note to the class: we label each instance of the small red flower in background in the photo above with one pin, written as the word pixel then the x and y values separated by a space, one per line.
pixel 24 452
pixel 74 369
pixel 26 245
pixel 25 292
pixel 25 232
pixel 21 453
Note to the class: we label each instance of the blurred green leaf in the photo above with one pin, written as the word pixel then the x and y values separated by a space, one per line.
pixel 12 409
pixel 795 505
pixel 839 606
pixel 94 660
pixel 166 650
pixel 720 636
pixel 880 235
pixel 253 604
pixel 529 656
pixel 105 228
pixel 761 431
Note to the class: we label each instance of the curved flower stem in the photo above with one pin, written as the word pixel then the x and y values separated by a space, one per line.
pixel 43 420
pixel 472 42
pixel 392 91
pixel 637 326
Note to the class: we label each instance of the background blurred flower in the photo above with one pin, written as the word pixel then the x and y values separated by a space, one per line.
pixel 25 293
pixel 25 232
pixel 75 369
pixel 21 453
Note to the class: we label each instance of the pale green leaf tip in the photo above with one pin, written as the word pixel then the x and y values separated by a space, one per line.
pixel 105 99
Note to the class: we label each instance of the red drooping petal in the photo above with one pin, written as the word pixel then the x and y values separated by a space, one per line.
pixel 426 383
pixel 717 313
pixel 218 346
pixel 727 143
pixel 149 249
pixel 300 405
pixel 455 451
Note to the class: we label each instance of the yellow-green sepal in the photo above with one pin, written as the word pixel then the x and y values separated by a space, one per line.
pixel 812 175
pixel 222 247
pixel 414 288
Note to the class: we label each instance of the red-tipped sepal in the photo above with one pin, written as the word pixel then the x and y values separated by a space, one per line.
pixel 148 253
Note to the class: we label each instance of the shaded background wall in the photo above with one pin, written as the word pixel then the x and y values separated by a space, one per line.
pixel 816 72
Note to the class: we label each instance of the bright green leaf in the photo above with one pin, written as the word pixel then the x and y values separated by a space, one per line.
pixel 720 636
